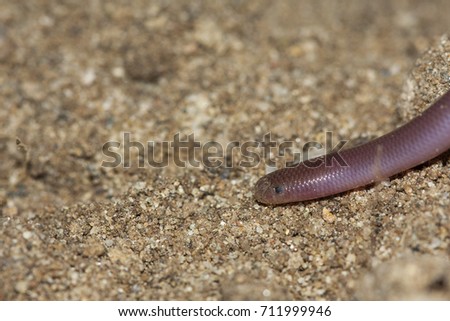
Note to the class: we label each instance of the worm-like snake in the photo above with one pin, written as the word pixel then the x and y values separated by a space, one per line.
pixel 416 142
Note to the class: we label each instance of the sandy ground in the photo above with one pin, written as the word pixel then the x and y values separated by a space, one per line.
pixel 75 76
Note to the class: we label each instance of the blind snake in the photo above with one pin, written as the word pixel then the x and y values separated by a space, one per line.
pixel 419 140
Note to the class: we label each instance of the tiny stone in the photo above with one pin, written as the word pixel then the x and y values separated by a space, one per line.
pixel 196 192
pixel 139 186
pixel 328 216
pixel 408 189
pixel 21 286
pixel 118 72
pixel 88 77
pixel 27 235
pixel 350 259
pixel 266 292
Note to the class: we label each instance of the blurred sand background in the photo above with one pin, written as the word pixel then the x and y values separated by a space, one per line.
pixel 75 75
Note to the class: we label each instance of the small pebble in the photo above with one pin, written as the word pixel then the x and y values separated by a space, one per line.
pixel 328 216
pixel 21 286
pixel 27 235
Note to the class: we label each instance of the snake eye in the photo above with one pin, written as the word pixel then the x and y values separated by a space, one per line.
pixel 278 189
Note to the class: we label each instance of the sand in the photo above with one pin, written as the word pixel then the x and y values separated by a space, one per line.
pixel 76 76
